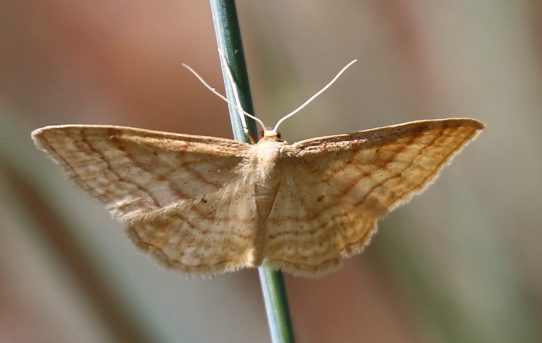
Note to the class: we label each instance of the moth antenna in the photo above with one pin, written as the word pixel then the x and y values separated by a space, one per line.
pixel 309 100
pixel 229 75
pixel 236 106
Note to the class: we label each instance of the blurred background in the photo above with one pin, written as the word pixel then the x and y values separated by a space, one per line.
pixel 459 264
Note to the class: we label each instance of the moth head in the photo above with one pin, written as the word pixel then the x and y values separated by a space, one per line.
pixel 270 135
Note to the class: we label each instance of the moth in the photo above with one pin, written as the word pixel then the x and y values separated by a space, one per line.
pixel 204 205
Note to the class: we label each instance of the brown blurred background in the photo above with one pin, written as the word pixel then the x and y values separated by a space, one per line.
pixel 459 264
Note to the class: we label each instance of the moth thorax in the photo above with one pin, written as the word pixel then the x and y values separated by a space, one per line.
pixel 266 156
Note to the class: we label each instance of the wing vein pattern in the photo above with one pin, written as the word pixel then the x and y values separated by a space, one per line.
pixel 336 188
pixel 204 205
pixel 187 199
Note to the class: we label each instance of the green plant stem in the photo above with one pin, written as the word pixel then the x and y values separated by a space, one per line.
pixel 228 37
pixel 229 41
pixel 276 305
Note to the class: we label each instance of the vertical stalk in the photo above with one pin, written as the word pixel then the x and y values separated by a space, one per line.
pixel 228 37
pixel 229 41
